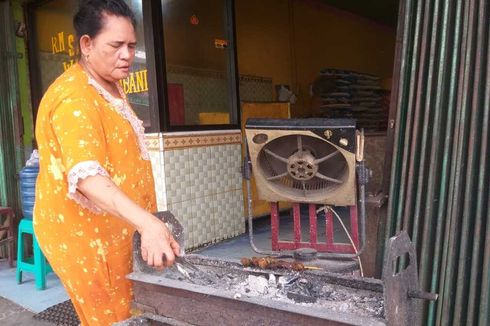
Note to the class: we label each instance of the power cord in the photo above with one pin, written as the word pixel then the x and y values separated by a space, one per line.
pixel 325 208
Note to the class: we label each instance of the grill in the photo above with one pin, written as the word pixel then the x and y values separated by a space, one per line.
pixel 223 292
pixel 244 296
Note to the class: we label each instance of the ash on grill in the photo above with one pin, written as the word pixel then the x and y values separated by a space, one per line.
pixel 290 287
pixel 207 291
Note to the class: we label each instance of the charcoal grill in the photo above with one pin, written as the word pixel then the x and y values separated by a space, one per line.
pixel 168 298
pixel 166 294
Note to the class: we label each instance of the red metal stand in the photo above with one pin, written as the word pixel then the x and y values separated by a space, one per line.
pixel 328 246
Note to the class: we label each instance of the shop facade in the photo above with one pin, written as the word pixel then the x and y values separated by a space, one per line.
pixel 190 84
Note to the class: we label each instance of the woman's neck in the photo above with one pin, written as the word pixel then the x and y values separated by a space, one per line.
pixel 107 85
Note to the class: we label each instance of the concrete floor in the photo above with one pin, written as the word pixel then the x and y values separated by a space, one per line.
pixel 18 303
pixel 238 247
pixel 12 314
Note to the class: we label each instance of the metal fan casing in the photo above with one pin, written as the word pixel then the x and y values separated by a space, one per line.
pixel 274 152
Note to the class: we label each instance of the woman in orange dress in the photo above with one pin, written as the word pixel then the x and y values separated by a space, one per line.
pixel 95 186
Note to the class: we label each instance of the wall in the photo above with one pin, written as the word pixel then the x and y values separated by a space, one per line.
pixel 198 178
pixel 263 39
pixel 290 41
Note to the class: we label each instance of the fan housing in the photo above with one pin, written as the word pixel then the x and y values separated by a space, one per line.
pixel 303 160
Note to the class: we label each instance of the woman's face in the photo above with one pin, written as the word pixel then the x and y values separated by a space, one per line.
pixel 111 52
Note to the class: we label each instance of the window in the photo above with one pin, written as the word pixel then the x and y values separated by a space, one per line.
pixel 199 55
pixel 54 41
pixel 182 81
pixel 136 84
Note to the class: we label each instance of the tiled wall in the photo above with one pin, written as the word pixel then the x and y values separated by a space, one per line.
pixel 154 144
pixel 198 178
pixel 207 90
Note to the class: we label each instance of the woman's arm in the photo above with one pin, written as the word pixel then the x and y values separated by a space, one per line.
pixel 156 240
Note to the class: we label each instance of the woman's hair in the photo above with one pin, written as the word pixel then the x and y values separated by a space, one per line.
pixel 89 18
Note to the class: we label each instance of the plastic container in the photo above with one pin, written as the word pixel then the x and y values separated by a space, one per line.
pixel 28 177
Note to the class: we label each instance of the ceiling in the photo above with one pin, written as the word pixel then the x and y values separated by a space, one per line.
pixel 382 11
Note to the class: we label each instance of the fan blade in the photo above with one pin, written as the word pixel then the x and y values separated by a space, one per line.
pixel 323 159
pixel 277 176
pixel 321 176
pixel 274 155
pixel 304 188
pixel 300 144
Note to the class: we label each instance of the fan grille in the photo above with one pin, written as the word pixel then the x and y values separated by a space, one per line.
pixel 302 163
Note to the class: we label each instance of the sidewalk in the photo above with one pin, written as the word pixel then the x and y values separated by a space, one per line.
pixel 12 314
pixel 20 302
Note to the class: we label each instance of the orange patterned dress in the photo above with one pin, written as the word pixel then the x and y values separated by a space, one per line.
pixel 82 130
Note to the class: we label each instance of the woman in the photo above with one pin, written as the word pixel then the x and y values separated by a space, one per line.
pixel 95 185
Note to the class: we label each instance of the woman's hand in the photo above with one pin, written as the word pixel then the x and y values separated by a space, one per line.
pixel 158 246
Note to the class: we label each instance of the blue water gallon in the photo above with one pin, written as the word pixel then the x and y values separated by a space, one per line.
pixel 28 177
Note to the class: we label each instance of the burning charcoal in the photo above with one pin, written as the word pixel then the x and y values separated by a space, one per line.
pixel 301 298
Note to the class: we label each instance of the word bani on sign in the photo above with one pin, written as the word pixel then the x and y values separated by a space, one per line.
pixel 136 82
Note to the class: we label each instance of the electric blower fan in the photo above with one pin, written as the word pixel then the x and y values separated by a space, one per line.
pixel 304 160
pixel 314 161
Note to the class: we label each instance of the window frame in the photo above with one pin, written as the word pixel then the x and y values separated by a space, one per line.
pixel 157 72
